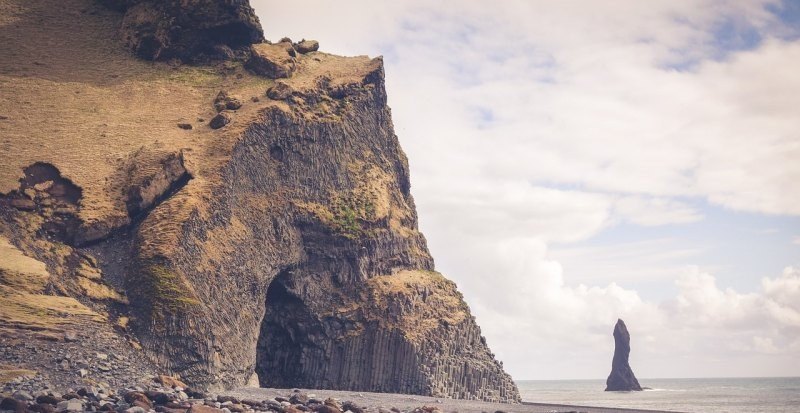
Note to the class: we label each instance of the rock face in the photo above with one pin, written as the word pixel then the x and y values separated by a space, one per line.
pixel 621 377
pixel 274 61
pixel 409 332
pixel 189 30
pixel 284 244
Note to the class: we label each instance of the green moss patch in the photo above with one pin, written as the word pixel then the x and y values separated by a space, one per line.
pixel 166 290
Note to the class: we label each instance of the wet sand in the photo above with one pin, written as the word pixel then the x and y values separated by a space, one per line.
pixel 373 402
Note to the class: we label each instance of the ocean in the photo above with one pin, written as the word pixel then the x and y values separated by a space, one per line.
pixel 721 395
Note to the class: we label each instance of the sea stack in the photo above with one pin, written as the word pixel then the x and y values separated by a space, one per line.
pixel 621 377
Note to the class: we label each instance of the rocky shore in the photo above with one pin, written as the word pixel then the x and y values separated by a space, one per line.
pixel 164 394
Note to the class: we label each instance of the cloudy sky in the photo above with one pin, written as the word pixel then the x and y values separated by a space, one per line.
pixel 574 162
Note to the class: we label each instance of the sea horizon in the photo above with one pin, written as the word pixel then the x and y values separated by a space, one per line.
pixel 669 378
pixel 696 394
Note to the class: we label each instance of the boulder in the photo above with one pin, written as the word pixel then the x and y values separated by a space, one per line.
pixel 139 399
pixel 72 405
pixel 164 409
pixel 14 405
pixel 280 91
pixel 274 61
pixel 170 381
pixel 43 408
pixel 48 399
pixel 224 101
pixel 348 405
pixel 201 408
pixel 327 409
pixel 299 398
pixel 220 120
pixel 621 377
pixel 22 395
pixel 307 46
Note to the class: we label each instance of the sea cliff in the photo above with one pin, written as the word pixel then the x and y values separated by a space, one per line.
pixel 214 207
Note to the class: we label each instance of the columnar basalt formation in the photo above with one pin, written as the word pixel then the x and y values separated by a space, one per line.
pixel 408 332
pixel 282 243
pixel 621 377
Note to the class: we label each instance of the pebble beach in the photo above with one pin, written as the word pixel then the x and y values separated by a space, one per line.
pixel 168 395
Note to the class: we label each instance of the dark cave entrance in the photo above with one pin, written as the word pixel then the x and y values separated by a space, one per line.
pixel 279 352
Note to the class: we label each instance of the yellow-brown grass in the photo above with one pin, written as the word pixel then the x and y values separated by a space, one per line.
pixel 434 298
pixel 9 372
pixel 73 96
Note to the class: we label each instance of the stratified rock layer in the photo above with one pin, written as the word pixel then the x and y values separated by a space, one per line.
pixel 621 377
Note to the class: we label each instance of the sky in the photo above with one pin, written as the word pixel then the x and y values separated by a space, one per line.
pixel 576 162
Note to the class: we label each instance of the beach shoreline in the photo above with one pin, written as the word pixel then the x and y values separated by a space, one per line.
pixel 374 402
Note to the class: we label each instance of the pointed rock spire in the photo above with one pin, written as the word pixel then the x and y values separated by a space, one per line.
pixel 621 377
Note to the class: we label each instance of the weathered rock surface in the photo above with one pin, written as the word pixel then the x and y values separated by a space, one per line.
pixel 219 120
pixel 409 332
pixel 285 243
pixel 274 61
pixel 224 101
pixel 280 91
pixel 189 30
pixel 307 46
pixel 621 377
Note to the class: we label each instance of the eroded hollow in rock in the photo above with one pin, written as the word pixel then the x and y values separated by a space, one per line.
pixel 42 190
pixel 49 180
pixel 279 350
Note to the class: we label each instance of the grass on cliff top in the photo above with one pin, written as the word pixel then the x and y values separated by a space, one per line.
pixel 72 95
pixel 433 298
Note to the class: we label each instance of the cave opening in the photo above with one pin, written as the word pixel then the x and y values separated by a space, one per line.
pixel 280 343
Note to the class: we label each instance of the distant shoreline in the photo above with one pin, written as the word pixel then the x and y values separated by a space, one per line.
pixel 374 402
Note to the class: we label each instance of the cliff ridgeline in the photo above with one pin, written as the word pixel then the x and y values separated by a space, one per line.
pixel 178 195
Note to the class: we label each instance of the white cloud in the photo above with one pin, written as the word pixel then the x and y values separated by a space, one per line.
pixel 655 260
pixel 534 123
pixel 656 211
pixel 512 210
pixel 558 323
pixel 783 296
pixel 764 345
